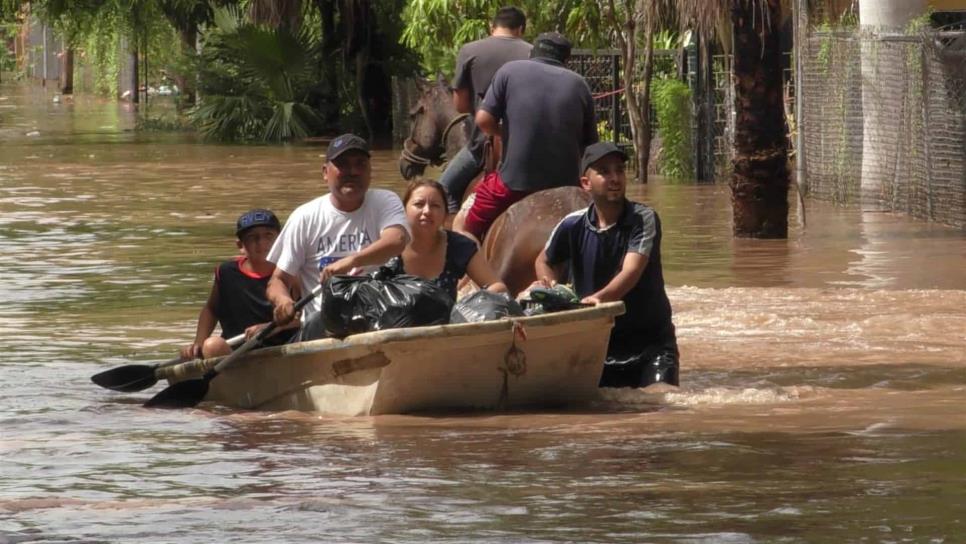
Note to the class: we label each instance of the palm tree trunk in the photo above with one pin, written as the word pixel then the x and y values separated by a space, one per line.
pixel 67 72
pixel 185 81
pixel 759 185
pixel 639 111
pixel 329 64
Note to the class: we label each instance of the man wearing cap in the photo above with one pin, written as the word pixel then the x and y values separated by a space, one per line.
pixel 475 66
pixel 547 116
pixel 351 227
pixel 613 251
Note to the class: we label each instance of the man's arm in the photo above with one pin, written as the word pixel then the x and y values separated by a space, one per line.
pixel 494 103
pixel 462 100
pixel 206 325
pixel 392 241
pixel 487 123
pixel 547 274
pixel 632 268
pixel 281 287
pixel 463 82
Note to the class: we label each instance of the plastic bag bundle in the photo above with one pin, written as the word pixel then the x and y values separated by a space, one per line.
pixel 354 304
pixel 560 297
pixel 484 306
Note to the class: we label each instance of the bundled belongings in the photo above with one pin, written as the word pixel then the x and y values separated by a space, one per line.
pixel 484 306
pixel 558 298
pixel 354 304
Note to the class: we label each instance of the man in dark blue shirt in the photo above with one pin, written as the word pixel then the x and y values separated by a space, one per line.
pixel 475 66
pixel 613 252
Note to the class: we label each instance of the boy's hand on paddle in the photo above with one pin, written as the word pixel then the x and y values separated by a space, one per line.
pixel 192 351
pixel 591 300
pixel 252 331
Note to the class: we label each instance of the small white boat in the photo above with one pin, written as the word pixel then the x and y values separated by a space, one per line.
pixel 549 360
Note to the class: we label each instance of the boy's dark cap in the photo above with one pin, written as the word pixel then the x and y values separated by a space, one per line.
pixel 343 143
pixel 598 151
pixel 551 45
pixel 259 217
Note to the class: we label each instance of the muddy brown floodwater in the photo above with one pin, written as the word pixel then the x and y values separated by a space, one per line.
pixel 823 376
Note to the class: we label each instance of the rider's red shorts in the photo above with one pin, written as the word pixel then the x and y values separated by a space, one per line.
pixel 492 199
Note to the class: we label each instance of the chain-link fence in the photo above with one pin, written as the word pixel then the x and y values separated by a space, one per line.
pixel 884 121
pixel 42 55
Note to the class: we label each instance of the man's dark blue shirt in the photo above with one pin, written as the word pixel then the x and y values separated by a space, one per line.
pixel 595 256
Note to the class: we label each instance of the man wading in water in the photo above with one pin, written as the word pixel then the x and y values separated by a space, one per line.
pixel 613 250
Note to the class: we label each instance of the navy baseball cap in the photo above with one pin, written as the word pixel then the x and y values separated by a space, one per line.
pixel 343 143
pixel 595 152
pixel 259 217
pixel 551 45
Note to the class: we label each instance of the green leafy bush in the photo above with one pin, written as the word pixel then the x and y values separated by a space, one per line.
pixel 672 103
pixel 254 82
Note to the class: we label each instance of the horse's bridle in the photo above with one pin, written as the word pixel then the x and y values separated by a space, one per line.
pixel 439 153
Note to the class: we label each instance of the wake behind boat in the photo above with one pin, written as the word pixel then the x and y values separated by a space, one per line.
pixel 549 360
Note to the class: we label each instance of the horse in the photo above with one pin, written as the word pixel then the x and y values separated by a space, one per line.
pixel 516 237
pixel 519 234
pixel 437 130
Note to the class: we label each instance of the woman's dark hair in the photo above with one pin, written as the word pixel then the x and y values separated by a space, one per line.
pixel 431 183
pixel 510 17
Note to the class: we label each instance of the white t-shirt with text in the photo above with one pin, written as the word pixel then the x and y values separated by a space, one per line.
pixel 318 234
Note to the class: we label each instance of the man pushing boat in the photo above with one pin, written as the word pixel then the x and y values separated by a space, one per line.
pixel 613 252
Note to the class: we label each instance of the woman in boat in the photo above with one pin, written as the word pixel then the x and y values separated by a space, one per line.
pixel 437 254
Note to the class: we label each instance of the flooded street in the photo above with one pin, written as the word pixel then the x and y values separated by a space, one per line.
pixel 823 377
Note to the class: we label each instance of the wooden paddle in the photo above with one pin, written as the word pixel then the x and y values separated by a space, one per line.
pixel 188 393
pixel 131 378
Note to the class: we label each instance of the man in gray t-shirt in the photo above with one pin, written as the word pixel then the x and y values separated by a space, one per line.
pixel 475 66
pixel 547 115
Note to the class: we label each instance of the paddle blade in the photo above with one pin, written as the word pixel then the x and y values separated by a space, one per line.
pixel 127 378
pixel 185 394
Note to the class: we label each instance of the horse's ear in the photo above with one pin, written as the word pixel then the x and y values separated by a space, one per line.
pixel 441 80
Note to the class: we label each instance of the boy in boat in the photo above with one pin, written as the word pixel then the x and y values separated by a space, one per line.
pixel 613 251
pixel 237 300
pixel 351 227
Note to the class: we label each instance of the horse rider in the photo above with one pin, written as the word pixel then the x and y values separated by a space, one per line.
pixel 547 116
pixel 475 66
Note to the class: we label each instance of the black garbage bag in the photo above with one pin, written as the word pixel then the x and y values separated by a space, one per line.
pixel 484 306
pixel 354 304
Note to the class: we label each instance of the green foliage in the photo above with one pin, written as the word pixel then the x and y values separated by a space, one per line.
pixel 8 62
pixel 605 132
pixel 672 102
pixel 436 29
pixel 99 50
pixel 254 82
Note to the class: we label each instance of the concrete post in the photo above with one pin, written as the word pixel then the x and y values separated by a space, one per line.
pixel 877 18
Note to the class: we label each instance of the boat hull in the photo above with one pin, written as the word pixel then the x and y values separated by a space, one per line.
pixel 549 360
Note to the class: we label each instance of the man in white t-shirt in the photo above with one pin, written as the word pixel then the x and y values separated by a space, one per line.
pixel 350 227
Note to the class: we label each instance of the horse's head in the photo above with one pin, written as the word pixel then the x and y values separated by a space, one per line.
pixel 430 119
